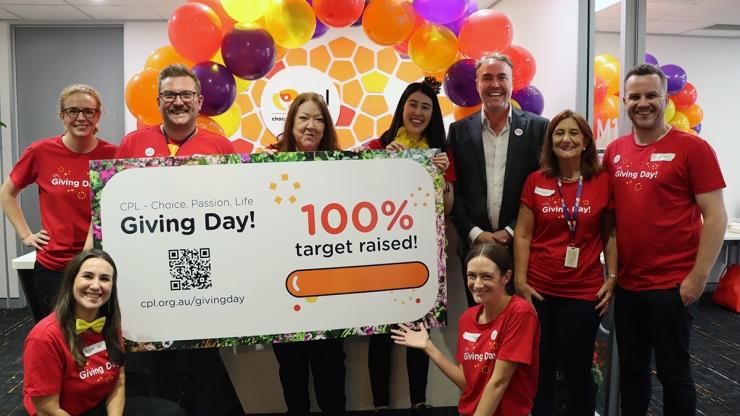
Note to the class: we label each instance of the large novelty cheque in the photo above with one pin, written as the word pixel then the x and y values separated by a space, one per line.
pixel 247 249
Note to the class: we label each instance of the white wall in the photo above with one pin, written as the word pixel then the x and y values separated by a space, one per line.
pixel 712 65
pixel 139 40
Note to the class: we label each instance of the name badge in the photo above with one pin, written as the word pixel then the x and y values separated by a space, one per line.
pixel 571 257
pixel 94 348
pixel 469 336
pixel 662 157
pixel 543 191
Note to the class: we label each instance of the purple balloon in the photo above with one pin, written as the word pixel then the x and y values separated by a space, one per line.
pixel 676 77
pixel 530 99
pixel 457 24
pixel 320 29
pixel 440 11
pixel 217 85
pixel 248 53
pixel 650 59
pixel 697 128
pixel 459 83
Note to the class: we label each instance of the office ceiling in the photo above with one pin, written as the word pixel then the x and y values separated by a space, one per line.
pixel 684 17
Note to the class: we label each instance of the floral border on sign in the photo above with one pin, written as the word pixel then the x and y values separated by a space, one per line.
pixel 101 171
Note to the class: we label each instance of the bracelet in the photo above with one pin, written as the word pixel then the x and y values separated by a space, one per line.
pixel 611 276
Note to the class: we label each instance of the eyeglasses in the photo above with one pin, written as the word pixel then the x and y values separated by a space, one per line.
pixel 171 96
pixel 74 112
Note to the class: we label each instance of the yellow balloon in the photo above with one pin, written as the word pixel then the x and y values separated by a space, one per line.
pixel 230 119
pixel 433 48
pixel 245 10
pixel 680 121
pixel 610 74
pixel 602 59
pixel 670 110
pixel 290 22
pixel 515 103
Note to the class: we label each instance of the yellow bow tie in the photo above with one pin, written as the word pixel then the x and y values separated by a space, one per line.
pixel 173 148
pixel 96 326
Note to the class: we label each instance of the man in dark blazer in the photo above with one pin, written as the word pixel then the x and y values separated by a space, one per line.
pixel 494 150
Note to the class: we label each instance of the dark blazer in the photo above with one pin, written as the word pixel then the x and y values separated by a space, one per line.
pixel 465 141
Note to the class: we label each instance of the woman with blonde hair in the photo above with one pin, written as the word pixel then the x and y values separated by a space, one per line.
pixel 59 166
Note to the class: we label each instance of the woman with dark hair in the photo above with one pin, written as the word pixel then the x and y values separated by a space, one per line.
pixel 59 167
pixel 565 222
pixel 418 124
pixel 309 128
pixel 73 359
pixel 497 344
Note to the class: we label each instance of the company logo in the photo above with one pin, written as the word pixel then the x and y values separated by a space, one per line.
pixel 283 99
pixel 617 158
pixel 279 94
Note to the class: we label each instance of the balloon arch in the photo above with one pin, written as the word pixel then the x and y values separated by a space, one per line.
pixel 232 44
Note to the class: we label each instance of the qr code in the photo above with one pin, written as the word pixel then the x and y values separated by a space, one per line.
pixel 190 268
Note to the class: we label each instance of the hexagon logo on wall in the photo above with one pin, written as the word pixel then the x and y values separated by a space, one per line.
pixel 361 81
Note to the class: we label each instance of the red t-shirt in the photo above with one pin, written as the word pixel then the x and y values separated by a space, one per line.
pixel 151 142
pixel 376 144
pixel 63 179
pixel 513 336
pixel 658 220
pixel 48 369
pixel 547 272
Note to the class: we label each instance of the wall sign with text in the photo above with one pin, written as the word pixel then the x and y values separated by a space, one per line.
pixel 249 249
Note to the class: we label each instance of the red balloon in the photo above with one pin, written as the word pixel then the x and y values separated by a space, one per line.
pixel 685 98
pixel 599 90
pixel 226 21
pixel 195 31
pixel 524 66
pixel 485 31
pixel 338 13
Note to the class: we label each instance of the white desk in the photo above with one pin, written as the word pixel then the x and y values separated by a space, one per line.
pixel 24 262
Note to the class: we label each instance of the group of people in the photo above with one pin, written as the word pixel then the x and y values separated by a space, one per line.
pixel 534 209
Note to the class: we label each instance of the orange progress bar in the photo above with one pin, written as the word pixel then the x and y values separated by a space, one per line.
pixel 356 279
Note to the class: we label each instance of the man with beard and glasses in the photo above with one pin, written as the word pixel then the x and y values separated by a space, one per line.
pixel 494 151
pixel 196 378
pixel 670 221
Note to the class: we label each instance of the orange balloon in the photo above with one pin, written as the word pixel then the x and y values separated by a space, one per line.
pixel 163 56
pixel 209 124
pixel 141 97
pixel 388 22
pixel 226 21
pixel 694 113
pixel 609 108
pixel 433 48
pixel 462 112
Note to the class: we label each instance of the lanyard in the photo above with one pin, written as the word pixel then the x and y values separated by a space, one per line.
pixel 571 219
pixel 174 147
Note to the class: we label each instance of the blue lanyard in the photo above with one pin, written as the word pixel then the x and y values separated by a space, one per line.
pixel 571 219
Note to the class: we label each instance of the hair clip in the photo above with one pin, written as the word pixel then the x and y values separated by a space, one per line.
pixel 432 83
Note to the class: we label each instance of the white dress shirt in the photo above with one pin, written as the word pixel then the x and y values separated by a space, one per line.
pixel 495 147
